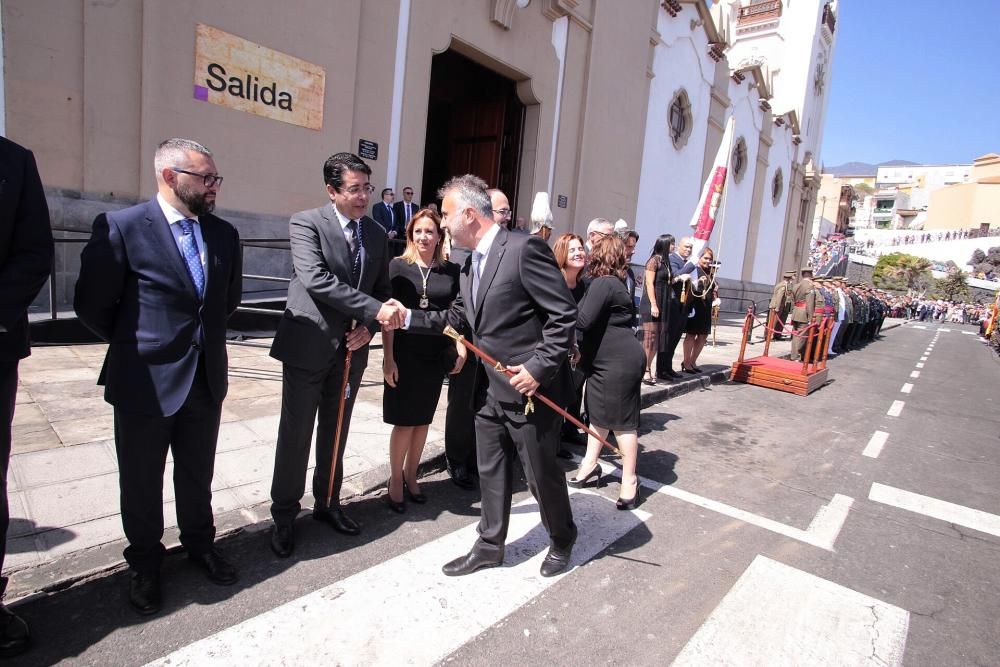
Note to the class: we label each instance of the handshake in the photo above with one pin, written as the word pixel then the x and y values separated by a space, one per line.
pixel 392 314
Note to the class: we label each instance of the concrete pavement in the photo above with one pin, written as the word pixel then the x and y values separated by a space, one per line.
pixel 63 482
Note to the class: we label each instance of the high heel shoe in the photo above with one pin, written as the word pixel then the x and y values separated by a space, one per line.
pixel 418 498
pixel 595 473
pixel 629 503
pixel 396 506
pixel 649 379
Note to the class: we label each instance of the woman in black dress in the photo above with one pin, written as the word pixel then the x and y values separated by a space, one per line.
pixel 414 366
pixel 657 301
pixel 700 301
pixel 613 361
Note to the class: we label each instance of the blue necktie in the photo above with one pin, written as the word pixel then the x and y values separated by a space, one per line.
pixel 192 259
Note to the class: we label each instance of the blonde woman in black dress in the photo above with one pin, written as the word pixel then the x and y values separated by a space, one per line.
pixel 414 365
pixel 704 293
pixel 613 361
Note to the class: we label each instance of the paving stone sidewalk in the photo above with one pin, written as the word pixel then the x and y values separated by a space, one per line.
pixel 63 480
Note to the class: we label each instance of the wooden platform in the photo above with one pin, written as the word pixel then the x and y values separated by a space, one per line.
pixel 780 374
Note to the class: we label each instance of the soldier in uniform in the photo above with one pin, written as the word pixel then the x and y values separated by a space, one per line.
pixel 846 320
pixel 781 302
pixel 803 310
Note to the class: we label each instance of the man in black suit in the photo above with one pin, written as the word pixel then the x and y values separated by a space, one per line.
pixel 25 261
pixel 680 268
pixel 158 282
pixel 338 295
pixel 520 312
pixel 403 210
pixel 384 214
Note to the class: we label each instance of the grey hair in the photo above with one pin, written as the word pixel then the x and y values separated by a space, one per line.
pixel 172 152
pixel 471 191
pixel 598 222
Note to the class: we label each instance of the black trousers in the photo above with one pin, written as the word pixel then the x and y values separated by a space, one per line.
pixel 304 392
pixel 141 442
pixel 501 433
pixel 673 331
pixel 8 396
pixel 460 419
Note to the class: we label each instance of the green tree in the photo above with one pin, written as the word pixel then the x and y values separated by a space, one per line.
pixel 899 271
pixel 952 287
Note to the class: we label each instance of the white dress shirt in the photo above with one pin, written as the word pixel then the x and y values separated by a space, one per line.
pixel 174 216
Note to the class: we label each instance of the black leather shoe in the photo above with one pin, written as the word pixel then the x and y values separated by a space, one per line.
pixel 14 636
pixel 282 540
pixel 669 375
pixel 469 563
pixel 418 498
pixel 555 561
pixel 217 569
pixel 144 593
pixel 461 477
pixel 339 521
pixel 397 507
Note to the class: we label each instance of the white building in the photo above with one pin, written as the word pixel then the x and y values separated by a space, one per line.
pixel 767 64
pixel 920 180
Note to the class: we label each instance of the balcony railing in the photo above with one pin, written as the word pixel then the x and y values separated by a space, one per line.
pixel 759 11
pixel 829 20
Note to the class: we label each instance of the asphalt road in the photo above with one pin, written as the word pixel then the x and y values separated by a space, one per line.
pixel 772 537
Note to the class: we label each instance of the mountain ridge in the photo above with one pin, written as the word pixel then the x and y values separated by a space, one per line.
pixel 864 168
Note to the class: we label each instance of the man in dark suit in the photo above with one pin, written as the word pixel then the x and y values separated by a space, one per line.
pixel 338 295
pixel 520 311
pixel 25 262
pixel 403 210
pixel 680 268
pixel 384 214
pixel 460 417
pixel 158 282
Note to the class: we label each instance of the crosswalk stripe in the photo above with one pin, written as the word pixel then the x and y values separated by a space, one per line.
pixel 896 408
pixel 822 531
pixel 778 615
pixel 907 388
pixel 936 509
pixel 405 610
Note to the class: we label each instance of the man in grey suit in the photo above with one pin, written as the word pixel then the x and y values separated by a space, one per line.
pixel 520 311
pixel 338 295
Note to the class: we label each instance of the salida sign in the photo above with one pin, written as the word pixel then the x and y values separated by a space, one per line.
pixel 233 72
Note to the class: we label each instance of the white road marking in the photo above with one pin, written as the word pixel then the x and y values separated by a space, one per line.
pixel 822 531
pixel 919 326
pixel 875 444
pixel 920 364
pixel 907 388
pixel 923 358
pixel 937 509
pixel 778 615
pixel 914 374
pixel 405 609
pixel 895 408
pixel 944 330
pixel 970 333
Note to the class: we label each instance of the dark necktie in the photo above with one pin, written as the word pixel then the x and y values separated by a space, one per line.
pixel 355 249
pixel 191 256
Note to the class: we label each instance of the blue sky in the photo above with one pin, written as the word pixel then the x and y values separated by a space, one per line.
pixel 914 80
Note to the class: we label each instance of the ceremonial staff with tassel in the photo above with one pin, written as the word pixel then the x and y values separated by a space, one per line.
pixel 515 302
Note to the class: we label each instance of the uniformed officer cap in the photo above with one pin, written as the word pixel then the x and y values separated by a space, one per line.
pixel 807 269
pixel 788 274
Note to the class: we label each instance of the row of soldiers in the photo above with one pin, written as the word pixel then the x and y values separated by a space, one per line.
pixel 856 309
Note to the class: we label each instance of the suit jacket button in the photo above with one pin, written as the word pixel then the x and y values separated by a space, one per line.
pixel 195 346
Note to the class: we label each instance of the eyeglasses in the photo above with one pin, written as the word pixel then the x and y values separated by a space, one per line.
pixel 407 192
pixel 502 212
pixel 355 190
pixel 210 180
